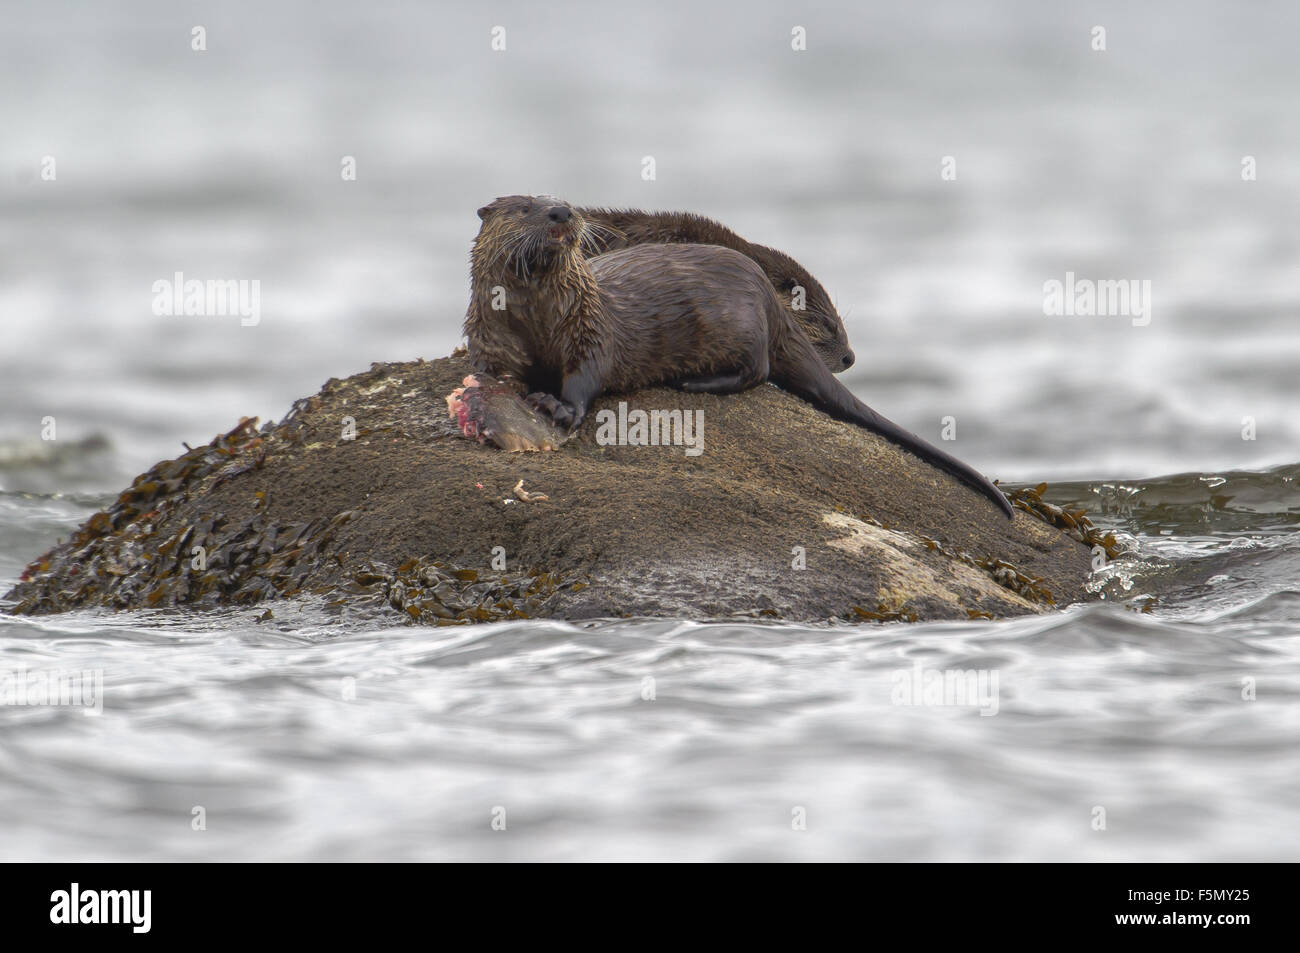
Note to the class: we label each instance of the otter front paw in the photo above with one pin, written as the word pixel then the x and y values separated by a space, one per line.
pixel 562 412
pixel 566 416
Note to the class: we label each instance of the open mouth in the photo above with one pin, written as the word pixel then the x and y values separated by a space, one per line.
pixel 561 234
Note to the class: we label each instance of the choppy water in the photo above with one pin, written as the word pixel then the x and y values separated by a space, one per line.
pixel 300 738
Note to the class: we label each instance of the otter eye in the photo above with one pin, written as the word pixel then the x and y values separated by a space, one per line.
pixel 527 209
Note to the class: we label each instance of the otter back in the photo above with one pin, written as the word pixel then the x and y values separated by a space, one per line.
pixel 812 309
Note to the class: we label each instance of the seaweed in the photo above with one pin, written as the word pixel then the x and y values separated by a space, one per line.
pixel 1074 523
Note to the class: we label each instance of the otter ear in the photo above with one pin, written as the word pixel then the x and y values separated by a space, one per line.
pixel 483 212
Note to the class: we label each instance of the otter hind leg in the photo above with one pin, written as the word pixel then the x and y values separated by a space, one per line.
pixel 752 371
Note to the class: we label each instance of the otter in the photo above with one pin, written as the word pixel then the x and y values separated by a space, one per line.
pixel 702 318
pixel 614 229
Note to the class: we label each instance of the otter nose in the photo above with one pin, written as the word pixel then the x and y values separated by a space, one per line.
pixel 559 214
pixel 849 359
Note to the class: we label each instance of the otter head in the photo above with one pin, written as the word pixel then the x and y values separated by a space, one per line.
pixel 818 318
pixel 529 235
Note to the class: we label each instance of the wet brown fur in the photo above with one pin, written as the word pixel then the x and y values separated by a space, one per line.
pixel 700 317
pixel 618 228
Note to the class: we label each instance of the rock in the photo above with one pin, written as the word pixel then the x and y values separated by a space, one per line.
pixel 411 520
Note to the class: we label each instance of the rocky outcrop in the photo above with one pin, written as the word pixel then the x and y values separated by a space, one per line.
pixel 367 498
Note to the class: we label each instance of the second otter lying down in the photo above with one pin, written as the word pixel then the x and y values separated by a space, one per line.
pixel 700 317
pixel 613 229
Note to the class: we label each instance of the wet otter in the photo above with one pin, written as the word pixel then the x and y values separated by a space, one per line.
pixel 699 317
pixel 615 229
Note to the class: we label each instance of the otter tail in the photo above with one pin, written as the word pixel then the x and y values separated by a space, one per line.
pixel 798 369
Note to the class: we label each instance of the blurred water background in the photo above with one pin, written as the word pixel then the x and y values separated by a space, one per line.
pixel 1125 163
